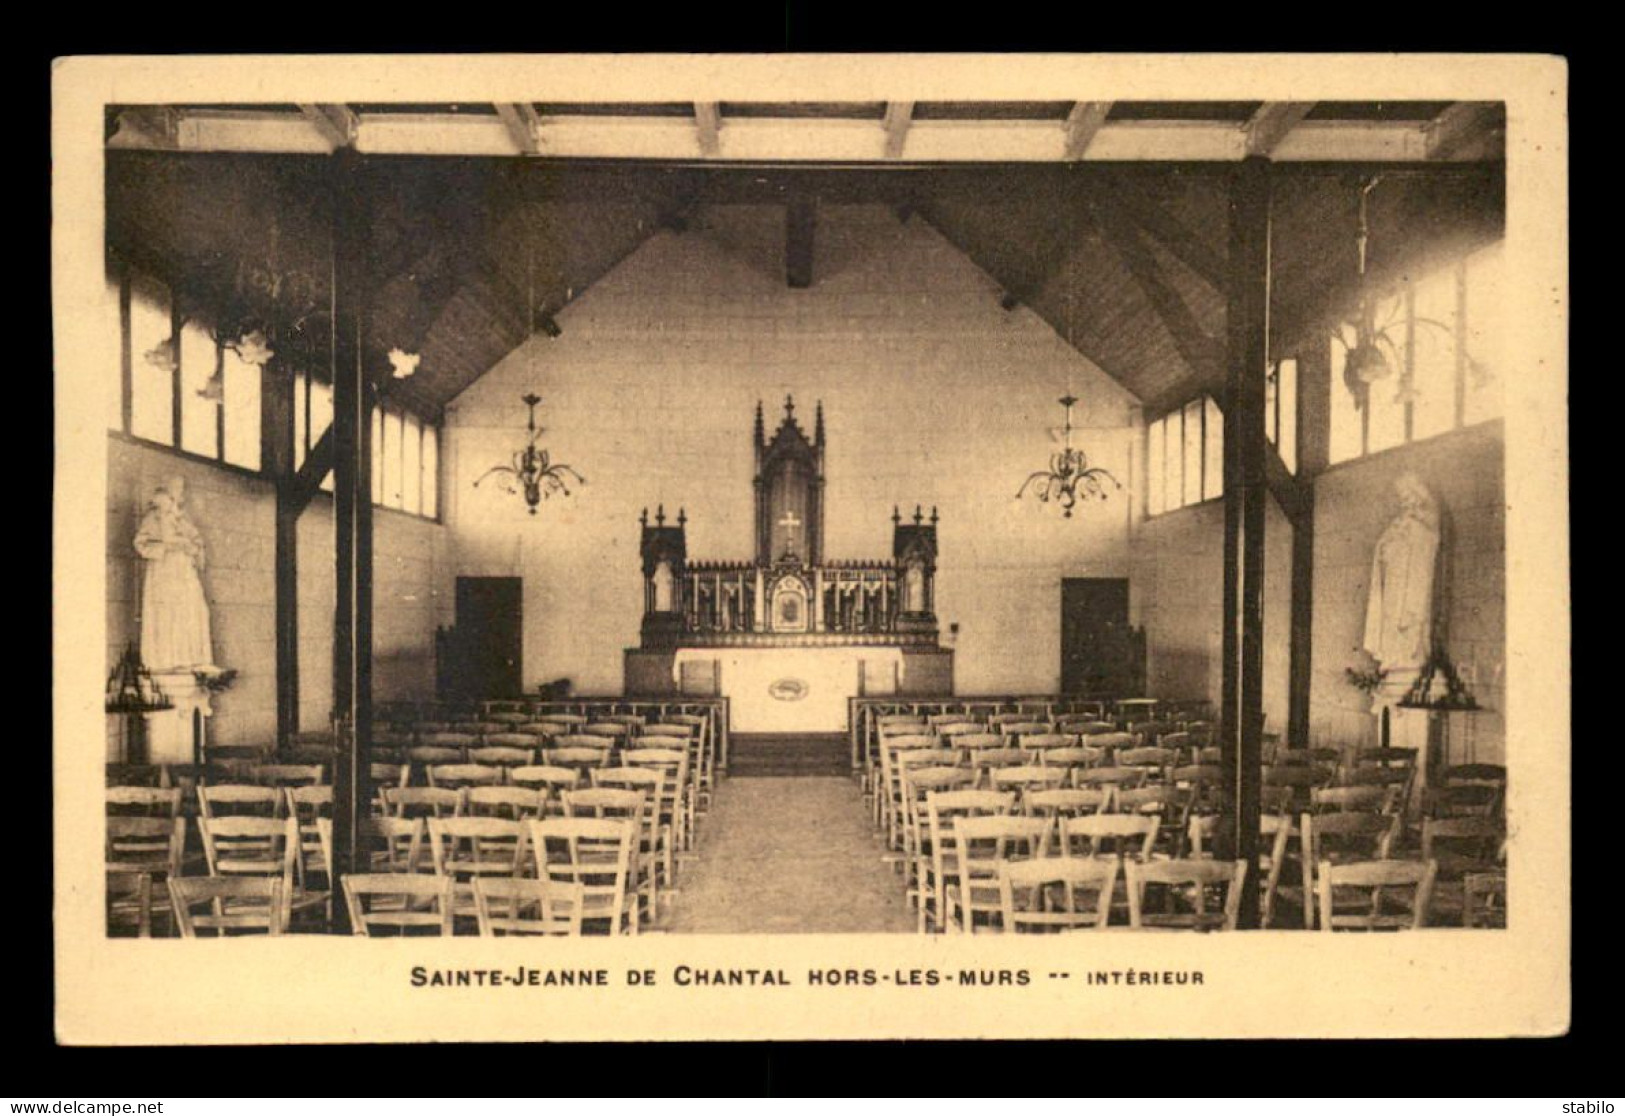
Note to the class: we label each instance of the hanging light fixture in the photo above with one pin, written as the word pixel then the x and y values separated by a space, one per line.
pixel 1374 355
pixel 1069 474
pixel 533 471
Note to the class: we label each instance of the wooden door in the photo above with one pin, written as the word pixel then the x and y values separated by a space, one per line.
pixel 1095 636
pixel 489 643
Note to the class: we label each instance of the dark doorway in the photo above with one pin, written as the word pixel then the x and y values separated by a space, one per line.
pixel 483 654
pixel 1099 651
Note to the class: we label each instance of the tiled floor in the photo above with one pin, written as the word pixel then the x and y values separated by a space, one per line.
pixel 789 856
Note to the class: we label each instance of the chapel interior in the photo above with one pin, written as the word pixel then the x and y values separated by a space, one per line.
pixel 924 517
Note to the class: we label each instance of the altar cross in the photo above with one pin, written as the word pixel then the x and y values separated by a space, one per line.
pixel 790 522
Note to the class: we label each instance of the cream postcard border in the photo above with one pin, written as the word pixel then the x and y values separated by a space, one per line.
pixel 1429 983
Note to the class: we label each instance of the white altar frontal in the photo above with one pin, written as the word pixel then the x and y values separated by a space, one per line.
pixel 792 689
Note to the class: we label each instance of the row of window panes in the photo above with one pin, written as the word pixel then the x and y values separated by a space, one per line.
pixel 1446 332
pixel 1185 457
pixel 1281 411
pixel 405 451
pixel 227 429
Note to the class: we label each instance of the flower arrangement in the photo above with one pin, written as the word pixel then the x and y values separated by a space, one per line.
pixel 1366 674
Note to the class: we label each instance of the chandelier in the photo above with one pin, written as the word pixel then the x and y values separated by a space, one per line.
pixel 1373 355
pixel 533 471
pixel 1069 474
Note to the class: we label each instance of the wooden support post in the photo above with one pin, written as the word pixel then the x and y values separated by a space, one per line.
pixel 1314 437
pixel 352 506
pixel 1242 698
pixel 276 455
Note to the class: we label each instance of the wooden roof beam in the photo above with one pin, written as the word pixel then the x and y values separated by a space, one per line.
pixel 1272 122
pixel 1203 355
pixel 707 125
pixel 1173 235
pixel 1459 127
pixel 338 125
pixel 521 120
pixel 899 115
pixel 1082 124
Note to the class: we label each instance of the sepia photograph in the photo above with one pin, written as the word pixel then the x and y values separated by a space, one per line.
pixel 779 547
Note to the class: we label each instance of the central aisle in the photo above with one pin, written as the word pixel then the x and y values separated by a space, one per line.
pixel 789 856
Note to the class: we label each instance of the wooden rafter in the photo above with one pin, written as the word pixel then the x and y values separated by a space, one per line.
pixel 1083 123
pixel 521 120
pixel 1203 355
pixel 707 125
pixel 337 124
pixel 1272 123
pixel 1459 126
pixel 800 223
pixel 157 125
pixel 899 114
pixel 1172 234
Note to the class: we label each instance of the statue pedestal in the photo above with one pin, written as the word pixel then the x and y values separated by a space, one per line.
pixel 1407 728
pixel 169 733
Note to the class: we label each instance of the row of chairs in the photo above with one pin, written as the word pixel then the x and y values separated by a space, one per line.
pixel 549 876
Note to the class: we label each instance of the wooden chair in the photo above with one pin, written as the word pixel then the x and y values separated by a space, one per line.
pixel 550 781
pixel 1156 759
pixel 594 855
pixel 919 781
pixel 1373 882
pixel 392 844
pixel 309 806
pixel 674 805
pixel 512 803
pixel 1070 802
pixel 1115 835
pixel 136 775
pixel 936 867
pixel 1056 894
pixel 1188 882
pixel 233 905
pixel 511 907
pixel 1339 838
pixel 466 847
pixel 397 904
pixel 580 758
pixel 1169 804
pixel 1368 799
pixel 657 840
pixel 643 883
pixel 144 802
pixel 456 776
pixel 982 846
pixel 1484 900
pixel 422 802
pixel 1069 757
pixel 1205 784
pixel 1460 847
pixel 255 846
pixel 1026 778
pixel 1275 830
pixel 1462 801
pixel 505 754
pixel 1120 778
pixel 140 852
pixel 289 775
pixel 238 800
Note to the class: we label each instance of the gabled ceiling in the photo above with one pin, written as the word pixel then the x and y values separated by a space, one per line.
pixel 469 254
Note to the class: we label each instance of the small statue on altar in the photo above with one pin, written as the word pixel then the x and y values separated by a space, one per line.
pixel 174 611
pixel 663 583
pixel 913 588
pixel 1399 608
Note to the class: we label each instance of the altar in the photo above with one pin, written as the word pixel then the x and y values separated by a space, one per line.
pixel 791 634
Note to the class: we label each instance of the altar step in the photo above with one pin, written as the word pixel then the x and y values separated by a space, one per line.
pixel 789 754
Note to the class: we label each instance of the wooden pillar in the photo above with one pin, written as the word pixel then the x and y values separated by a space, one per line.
pixel 1314 441
pixel 352 504
pixel 276 455
pixel 1247 358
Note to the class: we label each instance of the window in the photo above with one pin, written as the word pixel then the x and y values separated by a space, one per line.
pixel 1447 346
pixel 1185 457
pixel 178 387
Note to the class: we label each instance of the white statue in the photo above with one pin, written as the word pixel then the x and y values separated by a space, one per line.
pixel 914 588
pixel 174 613
pixel 1399 609
pixel 663 583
